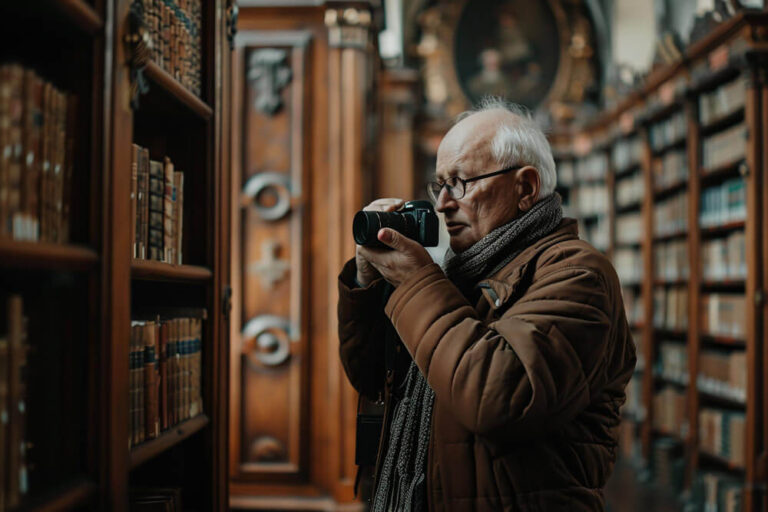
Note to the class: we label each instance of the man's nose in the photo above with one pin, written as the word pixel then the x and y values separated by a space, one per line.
pixel 445 201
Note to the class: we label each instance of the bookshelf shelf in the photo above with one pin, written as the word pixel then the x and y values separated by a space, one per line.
pixel 721 172
pixel 81 14
pixel 725 341
pixel 66 497
pixel 722 122
pixel 47 255
pixel 675 144
pixel 721 399
pixel 168 439
pixel 671 333
pixel 669 190
pixel 172 86
pixel 629 207
pixel 712 79
pixel 670 236
pixel 719 461
pixel 661 112
pixel 670 282
pixel 734 285
pixel 628 170
pixel 723 229
pixel 150 270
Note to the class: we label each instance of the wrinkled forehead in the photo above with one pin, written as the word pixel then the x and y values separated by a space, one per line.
pixel 464 152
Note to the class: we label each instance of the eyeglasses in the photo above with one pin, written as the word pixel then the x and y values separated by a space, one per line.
pixel 457 186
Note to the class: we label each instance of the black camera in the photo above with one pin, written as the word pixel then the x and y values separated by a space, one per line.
pixel 416 220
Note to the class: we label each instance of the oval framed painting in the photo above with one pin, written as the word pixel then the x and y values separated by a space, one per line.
pixel 510 48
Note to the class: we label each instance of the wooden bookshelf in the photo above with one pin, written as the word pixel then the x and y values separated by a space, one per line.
pixel 167 440
pixel 80 297
pixel 698 75
pixel 150 270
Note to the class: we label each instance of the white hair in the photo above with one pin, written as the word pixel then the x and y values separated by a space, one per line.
pixel 520 142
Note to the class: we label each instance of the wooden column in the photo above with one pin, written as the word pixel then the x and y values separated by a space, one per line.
pixel 349 82
pixel 398 100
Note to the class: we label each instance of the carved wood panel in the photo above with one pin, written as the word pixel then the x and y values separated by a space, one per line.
pixel 272 371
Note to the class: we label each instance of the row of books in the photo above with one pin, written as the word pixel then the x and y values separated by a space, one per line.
pixel 668 131
pixel 589 199
pixel 566 173
pixel 630 190
pixel 724 147
pixel 668 462
pixel 670 169
pixel 626 153
pixel 721 433
pixel 673 361
pixel 175 27
pixel 157 208
pixel 597 233
pixel 592 167
pixel 629 228
pixel 723 203
pixel 14 347
pixel 633 406
pixel 720 492
pixel 670 411
pixel 670 308
pixel 723 314
pixel 723 373
pixel 671 260
pixel 724 258
pixel 629 265
pixel 630 446
pixel 722 101
pixel 165 373
pixel 670 216
pixel 37 133
pixel 633 305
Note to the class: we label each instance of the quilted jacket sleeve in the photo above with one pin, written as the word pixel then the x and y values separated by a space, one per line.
pixel 362 326
pixel 531 369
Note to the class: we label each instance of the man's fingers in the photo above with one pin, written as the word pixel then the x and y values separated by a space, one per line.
pixel 386 204
pixel 393 239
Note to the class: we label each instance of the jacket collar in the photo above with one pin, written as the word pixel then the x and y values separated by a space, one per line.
pixel 505 284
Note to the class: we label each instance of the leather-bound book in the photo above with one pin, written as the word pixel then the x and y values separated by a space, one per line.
pixel 178 214
pixel 156 210
pixel 17 388
pixel 13 151
pixel 150 382
pixel 136 225
pixel 32 138
pixel 69 167
pixel 168 206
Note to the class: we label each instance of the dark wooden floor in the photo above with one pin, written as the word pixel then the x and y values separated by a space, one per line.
pixel 625 493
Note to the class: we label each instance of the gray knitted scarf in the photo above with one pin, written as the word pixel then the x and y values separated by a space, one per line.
pixel 402 482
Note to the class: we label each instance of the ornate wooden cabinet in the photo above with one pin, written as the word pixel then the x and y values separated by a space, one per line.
pixel 302 155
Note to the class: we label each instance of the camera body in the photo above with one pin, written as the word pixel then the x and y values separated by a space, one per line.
pixel 416 219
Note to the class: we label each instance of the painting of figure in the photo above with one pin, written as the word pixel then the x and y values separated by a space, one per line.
pixel 508 48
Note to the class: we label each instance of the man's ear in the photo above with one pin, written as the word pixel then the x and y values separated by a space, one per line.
pixel 529 184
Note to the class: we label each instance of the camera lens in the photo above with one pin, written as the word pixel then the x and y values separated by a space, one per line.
pixel 365 225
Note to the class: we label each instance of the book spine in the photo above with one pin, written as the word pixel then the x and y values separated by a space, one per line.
pixel 150 383
pixel 69 166
pixel 5 98
pixel 187 360
pixel 168 205
pixel 156 210
pixel 13 151
pixel 135 155
pixel 179 215
pixel 132 399
pixel 145 203
pixel 58 166
pixel 30 194
pixel 164 375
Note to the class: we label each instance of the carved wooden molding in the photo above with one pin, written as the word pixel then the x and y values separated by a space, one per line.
pixel 348 28
pixel 268 74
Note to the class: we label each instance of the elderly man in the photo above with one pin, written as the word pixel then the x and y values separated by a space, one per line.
pixel 516 352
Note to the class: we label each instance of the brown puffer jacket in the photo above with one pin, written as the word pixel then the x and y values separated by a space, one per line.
pixel 528 382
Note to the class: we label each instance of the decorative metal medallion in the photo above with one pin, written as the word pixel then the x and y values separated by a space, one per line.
pixel 270 194
pixel 266 341
pixel 269 74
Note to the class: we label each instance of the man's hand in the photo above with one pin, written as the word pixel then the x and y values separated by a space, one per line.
pixel 365 271
pixel 396 265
